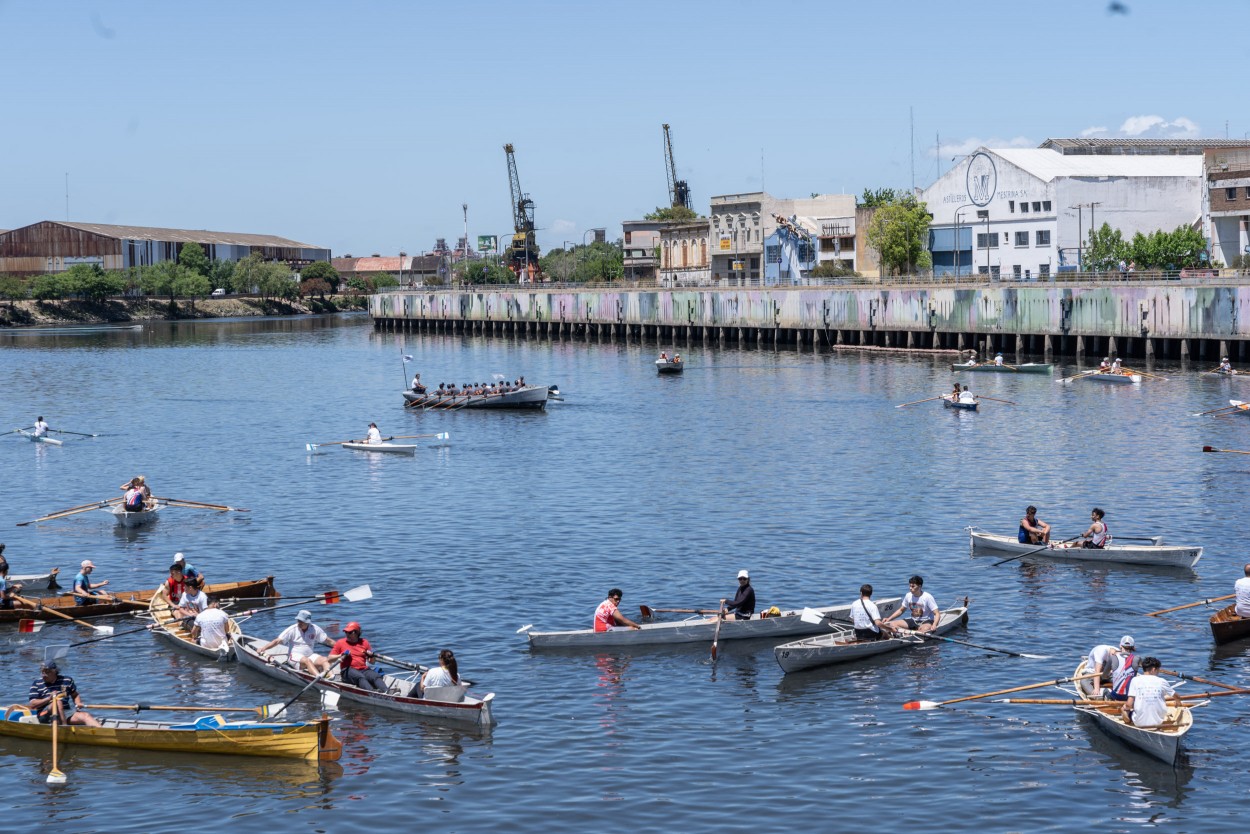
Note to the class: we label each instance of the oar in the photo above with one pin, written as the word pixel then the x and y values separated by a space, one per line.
pixel 184 503
pixel 648 611
pixel 361 592
pixel 1229 451
pixel 1144 373
pixel 442 435
pixel 993 399
pixel 1212 371
pixel 928 635
pixel 98 629
pixel 1072 702
pixel 1155 540
pixel 55 776
pixel 1197 679
pixel 1067 379
pixel 402 664
pixel 79 433
pixel 927 705
pixel 720 618
pixel 917 402
pixel 148 627
pixel 311 684
pixel 72 511
pixel 263 712
pixel 1190 605
pixel 1031 552
pixel 314 446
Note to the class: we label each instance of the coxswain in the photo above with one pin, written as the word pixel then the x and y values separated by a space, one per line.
pixel 417 387
pixel 608 615
pixel 374 436
pixel 41 428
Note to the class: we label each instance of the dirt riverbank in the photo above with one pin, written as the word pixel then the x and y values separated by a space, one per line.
pixel 36 313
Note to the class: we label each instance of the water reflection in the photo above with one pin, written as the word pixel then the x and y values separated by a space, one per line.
pixel 1147 782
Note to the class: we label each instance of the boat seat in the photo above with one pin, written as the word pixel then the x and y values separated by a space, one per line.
pixel 449 694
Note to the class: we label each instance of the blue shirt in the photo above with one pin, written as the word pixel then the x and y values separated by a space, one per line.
pixel 40 688
pixel 82 584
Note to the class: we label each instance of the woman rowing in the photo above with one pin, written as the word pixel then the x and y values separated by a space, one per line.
pixel 374 436
pixel 447 673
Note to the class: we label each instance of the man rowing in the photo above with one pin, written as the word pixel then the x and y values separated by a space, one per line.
pixel 1032 529
pixel 1115 366
pixel 84 590
pixel 1105 365
pixel 138 495
pixel 191 604
pixel 608 615
pixel 1224 368
pixel 373 436
pixel 1097 536
pixel 51 686
pixel 210 629
pixel 1241 588
pixel 1103 660
pixel 40 428
pixel 355 652
pixel 188 570
pixel 972 359
pixel 301 641
pixel 1147 697
pixel 998 359
pixel 866 617
pixel 921 610
pixel 966 397
pixel 743 604
pixel 8 588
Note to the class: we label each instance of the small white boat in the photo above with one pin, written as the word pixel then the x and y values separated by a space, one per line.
pixel 446 703
pixel 842 647
pixel 1163 741
pixel 171 630
pixel 1163 555
pixel 669 366
pixel 32 437
pixel 1115 379
pixel 966 406
pixel 37 580
pixel 1242 407
pixel 129 519
pixel 380 448
pixel 701 629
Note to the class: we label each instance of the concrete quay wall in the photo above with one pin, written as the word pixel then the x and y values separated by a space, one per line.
pixel 1137 319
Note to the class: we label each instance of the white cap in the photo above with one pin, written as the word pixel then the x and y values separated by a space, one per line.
pixel 742 574
pixel 1127 642
pixel 178 557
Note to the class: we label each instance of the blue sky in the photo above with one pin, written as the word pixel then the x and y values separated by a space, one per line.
pixel 363 127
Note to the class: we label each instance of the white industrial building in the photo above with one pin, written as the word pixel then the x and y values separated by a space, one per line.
pixel 1027 212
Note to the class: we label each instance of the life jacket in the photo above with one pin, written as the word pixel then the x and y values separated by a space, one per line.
pixel 1123 675
pixel 134 499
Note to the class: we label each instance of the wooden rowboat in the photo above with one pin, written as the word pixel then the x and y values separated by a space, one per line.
pixel 1226 626
pixel 842 647
pixel 1242 407
pixel 972 406
pixel 131 601
pixel 1115 379
pixel 700 629
pixel 990 367
pixel 170 629
pixel 129 519
pixel 32 437
pixel 380 448
pixel 1164 555
pixel 668 366
pixel 1163 741
pixel 445 703
pixel 206 734
pixel 531 396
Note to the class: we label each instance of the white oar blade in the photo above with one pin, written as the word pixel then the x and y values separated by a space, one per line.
pixel 271 710
pixel 1036 656
pixel 56 777
pixel 103 631
pixel 55 652
pixel 812 616
pixel 358 594
pixel 524 628
pixel 921 705
pixel 329 700
pixel 311 447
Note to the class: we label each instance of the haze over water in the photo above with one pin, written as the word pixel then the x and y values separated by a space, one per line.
pixel 795 466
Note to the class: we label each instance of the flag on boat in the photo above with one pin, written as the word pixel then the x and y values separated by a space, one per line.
pixel 29 626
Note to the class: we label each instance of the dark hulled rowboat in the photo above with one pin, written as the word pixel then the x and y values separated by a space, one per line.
pixel 531 396
pixel 128 601
pixel 1226 626
pixel 990 367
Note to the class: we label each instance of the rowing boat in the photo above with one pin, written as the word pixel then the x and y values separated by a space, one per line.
pixel 132 519
pixel 842 647
pixel 1162 741
pixel 446 703
pixel 39 438
pixel 171 629
pixel 531 396
pixel 669 366
pixel 1165 555
pixel 129 601
pixel 37 580
pixel 947 403
pixel 391 448
pixel 701 629
pixel 1115 379
pixel 1243 407
pixel 989 367
pixel 206 734
pixel 1227 626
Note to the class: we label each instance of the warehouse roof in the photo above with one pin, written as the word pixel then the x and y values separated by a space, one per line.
pixel 1047 165
pixel 186 235
pixel 1103 145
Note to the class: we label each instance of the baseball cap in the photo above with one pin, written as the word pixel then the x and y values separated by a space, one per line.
pixel 87 563
pixel 304 617
pixel 1127 642
pixel 742 574
pixel 49 666
pixel 178 557
pixel 352 626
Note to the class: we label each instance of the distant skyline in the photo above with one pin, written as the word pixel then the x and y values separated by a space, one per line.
pixel 363 127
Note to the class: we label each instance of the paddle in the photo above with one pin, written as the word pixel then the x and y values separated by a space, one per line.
pixel 72 511
pixel 928 635
pixel 1229 451
pixel 720 618
pixel 1197 679
pixel 1067 379
pixel 1216 410
pixel 1072 702
pixel 1031 552
pixel 993 399
pixel 179 502
pixel 928 705
pixel 1144 373
pixel 300 694
pixel 263 712
pixel 79 433
pixel 648 611
pixel 360 592
pixel 917 402
pixel 402 664
pixel 55 613
pixel 55 776
pixel 440 436
pixel 111 636
pixel 1191 605
pixel 1155 540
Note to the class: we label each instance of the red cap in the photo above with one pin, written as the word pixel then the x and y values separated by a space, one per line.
pixel 352 626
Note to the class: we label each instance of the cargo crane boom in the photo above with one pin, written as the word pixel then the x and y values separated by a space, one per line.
pixel 522 256
pixel 678 190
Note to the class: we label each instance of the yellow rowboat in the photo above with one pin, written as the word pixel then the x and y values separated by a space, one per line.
pixel 206 734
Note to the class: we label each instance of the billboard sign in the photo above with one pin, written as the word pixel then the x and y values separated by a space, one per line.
pixel 486 243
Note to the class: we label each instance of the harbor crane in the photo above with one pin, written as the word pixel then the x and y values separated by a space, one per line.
pixel 678 190
pixel 522 255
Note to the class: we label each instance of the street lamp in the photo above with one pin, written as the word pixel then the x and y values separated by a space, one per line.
pixel 959 211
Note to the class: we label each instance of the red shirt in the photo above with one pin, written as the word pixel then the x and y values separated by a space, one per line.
pixel 354 657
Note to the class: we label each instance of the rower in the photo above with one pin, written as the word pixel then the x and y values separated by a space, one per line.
pixel 998 359
pixel 41 428
pixel 1105 365
pixel 918 609
pixel 1103 661
pixel 1097 536
pixel 174 585
pixel 608 615
pixel 676 358
pixel 1225 368
pixel 7 588
pixel 374 436
pixel 301 641
pixel 972 359
pixel 133 501
pixel 866 617
pixel 192 603
pixel 417 387
pixel 84 588
pixel 1147 697
pixel 1032 529
pixel 1115 366
pixel 965 396
pixel 663 356
pixel 1241 588
pixel 188 570
pixel 742 606
pixel 955 393
pixel 210 627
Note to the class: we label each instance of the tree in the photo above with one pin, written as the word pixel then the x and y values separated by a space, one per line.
pixel 161 278
pixel 276 280
pixel 359 284
pixel 675 214
pixel 483 272
pixel 191 284
pixel 1183 248
pixel 1104 250
pixel 600 262
pixel 314 286
pixel 48 286
pixel 383 280
pixel 193 258
pixel 93 282
pixel 221 275
pixel 323 271
pixel 833 269
pixel 12 288
pixel 899 231
pixel 876 198
pixel 560 264
pixel 246 275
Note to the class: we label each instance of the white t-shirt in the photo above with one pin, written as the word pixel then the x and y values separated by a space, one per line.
pixel 41 428
pixel 301 643
pixel 966 397
pixel 374 436
pixel 1242 588
pixel 864 614
pixel 212 623
pixel 437 676
pixel 1148 693
pixel 1104 656
pixel 197 601
pixel 922 608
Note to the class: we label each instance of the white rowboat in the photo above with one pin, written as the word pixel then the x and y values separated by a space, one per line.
pixel 1243 407
pixel 126 519
pixel 701 629
pixel 392 448
pixel 842 647
pixel 32 437
pixel 1163 742
pixel 37 580
pixel 446 703
pixel 1164 555
pixel 1116 379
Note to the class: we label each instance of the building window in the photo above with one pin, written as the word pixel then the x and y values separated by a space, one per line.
pixel 983 215
pixel 703 253
pixel 1046 206
pixel 1230 194
pixel 1043 237
pixel 1011 207
pixel 994 271
pixel 1016 272
pixel 1022 238
pixel 1043 270
pixel 987 241
pixel 1037 206
pixel 983 270
pixel 1248 192
pixel 1024 208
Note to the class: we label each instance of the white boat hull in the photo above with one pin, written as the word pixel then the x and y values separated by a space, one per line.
pixel 33 438
pixel 37 580
pixel 1163 744
pixel 383 448
pixel 125 519
pixel 1116 379
pixel 842 647
pixel 1172 556
pixel 452 703
pixel 700 630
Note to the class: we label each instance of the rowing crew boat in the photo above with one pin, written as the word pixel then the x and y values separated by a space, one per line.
pixel 171 629
pixel 206 734
pixel 669 366
pixel 130 601
pixel 1243 407
pixel 948 403
pixel 990 367
pixel 1162 741
pixel 1115 379
pixel 39 438
pixel 531 396
pixel 1175 556
pixel 1227 626
pixel 446 703
pixel 125 518
pixel 841 646
pixel 701 629
pixel 380 448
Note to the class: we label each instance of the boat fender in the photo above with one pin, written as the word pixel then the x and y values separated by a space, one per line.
pixel 771 612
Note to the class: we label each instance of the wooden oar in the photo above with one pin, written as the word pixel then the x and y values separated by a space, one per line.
pixel 148 627
pixel 1197 679
pixel 720 618
pixel 648 611
pixel 993 399
pixel 179 502
pixel 107 502
pixel 1072 702
pixel 55 613
pixel 927 705
pixel 1190 605
pixel 1144 373
pixel 1031 552
pixel 55 776
pixel 263 712
pixel 917 402
pixel 1065 380
pixel 1229 451
pixel 928 635
pixel 1217 410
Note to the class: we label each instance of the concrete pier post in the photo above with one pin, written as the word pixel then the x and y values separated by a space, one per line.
pixel 1080 347
pixel 1184 349
pixel 1223 349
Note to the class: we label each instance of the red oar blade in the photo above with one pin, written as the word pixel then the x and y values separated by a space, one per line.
pixel 1208 448
pixel 29 626
pixel 921 705
pixel 330 597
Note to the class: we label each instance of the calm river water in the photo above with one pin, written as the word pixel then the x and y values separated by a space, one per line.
pixel 795 466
